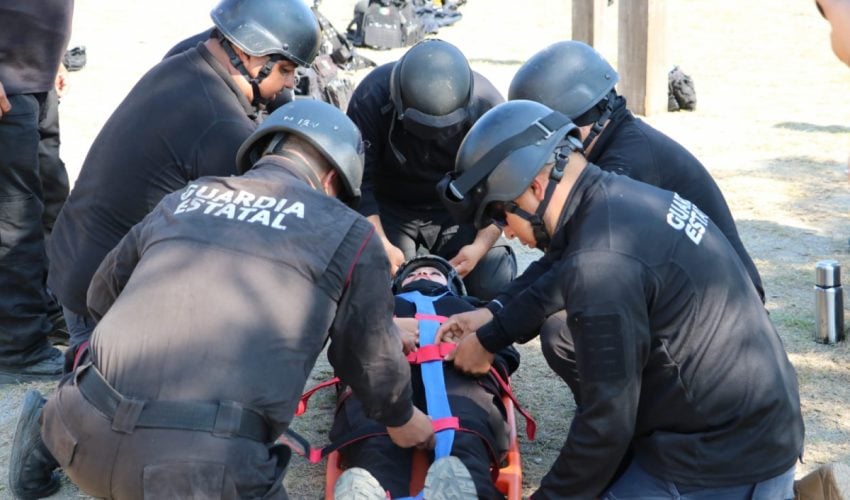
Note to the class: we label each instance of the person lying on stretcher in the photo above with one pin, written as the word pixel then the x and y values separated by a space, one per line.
pixel 482 438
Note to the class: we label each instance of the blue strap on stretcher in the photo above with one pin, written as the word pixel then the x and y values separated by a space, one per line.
pixel 432 373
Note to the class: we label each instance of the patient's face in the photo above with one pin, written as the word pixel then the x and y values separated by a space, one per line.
pixel 425 273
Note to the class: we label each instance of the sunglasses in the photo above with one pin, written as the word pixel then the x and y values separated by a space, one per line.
pixel 498 212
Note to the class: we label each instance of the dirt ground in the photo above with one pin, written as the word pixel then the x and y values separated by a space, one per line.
pixel 771 126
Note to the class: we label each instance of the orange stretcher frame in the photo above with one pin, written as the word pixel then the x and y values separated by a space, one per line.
pixel 509 482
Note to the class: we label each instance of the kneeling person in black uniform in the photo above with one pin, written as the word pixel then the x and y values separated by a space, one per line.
pixel 413 114
pixel 475 401
pixel 677 357
pixel 211 312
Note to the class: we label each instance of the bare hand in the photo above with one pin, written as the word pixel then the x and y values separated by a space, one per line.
pixel 5 105
pixel 408 330
pixel 470 357
pixel 460 325
pixel 467 258
pixel 61 83
pixel 416 432
pixel 396 256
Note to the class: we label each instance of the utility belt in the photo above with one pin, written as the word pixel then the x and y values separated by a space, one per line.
pixel 227 419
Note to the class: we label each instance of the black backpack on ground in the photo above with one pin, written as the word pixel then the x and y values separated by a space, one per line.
pixel 385 24
pixel 74 58
pixel 323 81
pixel 681 93
pixel 338 47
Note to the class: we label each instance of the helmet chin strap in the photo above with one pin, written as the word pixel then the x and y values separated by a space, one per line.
pixel 542 237
pixel 258 100
pixel 599 124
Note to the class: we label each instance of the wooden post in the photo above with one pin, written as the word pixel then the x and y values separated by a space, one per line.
pixel 588 19
pixel 642 55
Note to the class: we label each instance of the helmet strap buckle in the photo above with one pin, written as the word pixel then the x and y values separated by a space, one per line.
pixel 257 99
pixel 599 124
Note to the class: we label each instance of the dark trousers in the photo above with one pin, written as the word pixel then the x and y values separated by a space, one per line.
pixel 638 484
pixel 434 231
pixel 155 463
pixel 54 177
pixel 477 409
pixel 23 300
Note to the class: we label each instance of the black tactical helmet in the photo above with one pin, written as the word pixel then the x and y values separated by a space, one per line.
pixel 322 125
pixel 570 77
pixel 455 283
pixel 287 28
pixel 500 156
pixel 431 88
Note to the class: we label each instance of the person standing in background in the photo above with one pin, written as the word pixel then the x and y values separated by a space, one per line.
pixel 33 38
pixel 184 119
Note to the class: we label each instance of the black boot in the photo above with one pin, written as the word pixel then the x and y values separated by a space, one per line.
pixel 31 466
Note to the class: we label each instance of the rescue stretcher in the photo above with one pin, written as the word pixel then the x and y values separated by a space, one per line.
pixel 508 480
pixel 429 356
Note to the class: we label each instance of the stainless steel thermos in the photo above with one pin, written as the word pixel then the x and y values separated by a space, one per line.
pixel 829 302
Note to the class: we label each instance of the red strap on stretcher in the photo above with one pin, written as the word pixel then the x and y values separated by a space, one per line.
pixel 439 351
pixel 315 455
pixel 430 317
pixel 302 403
pixel 445 423
pixel 430 352
pixel 530 424
pixel 80 350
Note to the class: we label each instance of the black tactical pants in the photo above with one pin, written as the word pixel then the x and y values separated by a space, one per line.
pixel 54 177
pixel 433 231
pixel 155 463
pixel 23 301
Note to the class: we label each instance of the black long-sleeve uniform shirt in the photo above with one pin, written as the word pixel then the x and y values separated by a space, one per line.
pixel 674 348
pixel 33 37
pixel 229 290
pixel 410 183
pixel 628 146
pixel 183 120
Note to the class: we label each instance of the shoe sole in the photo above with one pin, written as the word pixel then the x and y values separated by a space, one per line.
pixel 358 484
pixel 449 479
pixel 28 417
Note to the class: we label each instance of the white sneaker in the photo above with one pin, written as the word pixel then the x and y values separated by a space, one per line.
pixel 358 484
pixel 449 479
